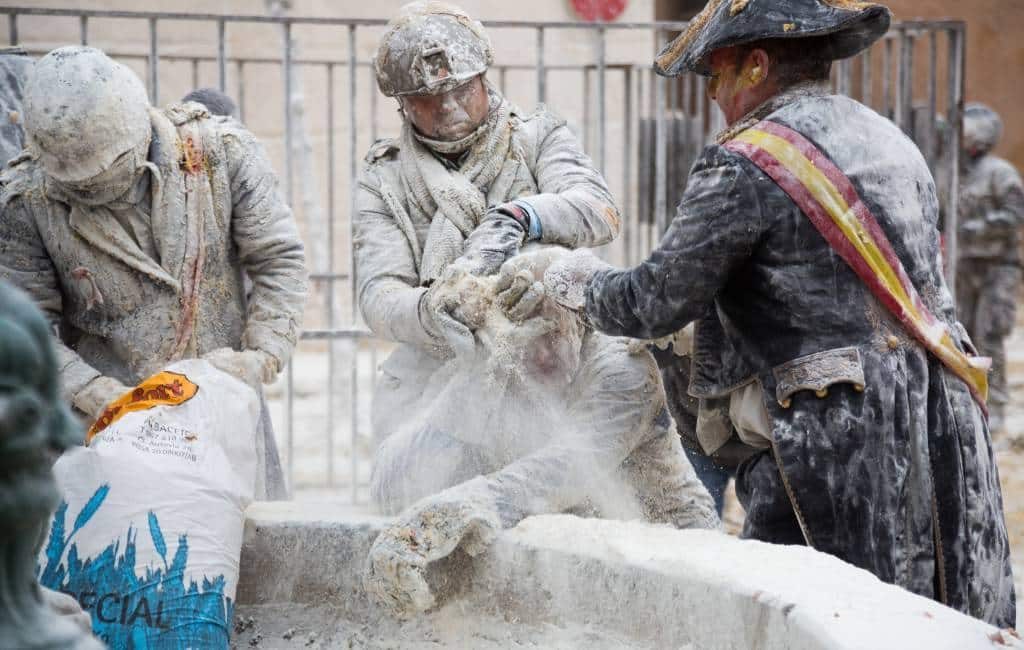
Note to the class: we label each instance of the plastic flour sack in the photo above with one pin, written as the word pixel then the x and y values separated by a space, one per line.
pixel 148 536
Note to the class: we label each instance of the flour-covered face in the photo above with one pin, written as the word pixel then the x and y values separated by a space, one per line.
pixel 449 116
pixel 553 358
pixel 110 184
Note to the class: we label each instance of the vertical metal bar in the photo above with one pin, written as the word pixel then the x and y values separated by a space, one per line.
pixel 240 72
pixel 644 206
pixel 846 77
pixel 154 59
pixel 12 26
pixel 587 126
pixel 286 31
pixel 601 97
pixel 195 73
pixel 353 168
pixel 222 61
pixel 627 161
pixel 331 386
pixel 542 73
pixel 503 79
pixel 374 117
pixel 865 77
pixel 887 79
pixel 688 90
pixel 660 182
pixel 955 110
pixel 933 99
pixel 83 29
pixel 906 82
pixel 671 137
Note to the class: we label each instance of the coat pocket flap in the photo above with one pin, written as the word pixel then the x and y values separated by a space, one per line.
pixel 817 372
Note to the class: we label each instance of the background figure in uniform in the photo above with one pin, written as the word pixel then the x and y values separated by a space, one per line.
pixel 131 226
pixel 988 272
pixel 805 248
pixel 467 160
pixel 538 414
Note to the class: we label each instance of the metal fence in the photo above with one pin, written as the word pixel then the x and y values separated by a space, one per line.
pixel 643 132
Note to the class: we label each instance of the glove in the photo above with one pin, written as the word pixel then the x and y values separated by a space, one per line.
pixel 430 530
pixel 520 291
pixel 254 367
pixel 500 235
pixel 453 307
pixel 93 399
pixel 566 279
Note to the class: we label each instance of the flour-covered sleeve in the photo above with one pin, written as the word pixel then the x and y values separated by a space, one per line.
pixel 25 263
pixel 1008 192
pixel 574 206
pixel 716 228
pixel 388 287
pixel 269 248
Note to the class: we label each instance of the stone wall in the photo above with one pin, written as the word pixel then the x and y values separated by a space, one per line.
pixel 562 581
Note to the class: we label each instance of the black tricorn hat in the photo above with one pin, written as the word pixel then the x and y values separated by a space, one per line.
pixel 841 27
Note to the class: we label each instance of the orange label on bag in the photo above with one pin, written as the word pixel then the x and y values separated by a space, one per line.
pixel 162 389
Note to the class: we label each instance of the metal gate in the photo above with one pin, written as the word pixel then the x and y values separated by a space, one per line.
pixel 643 132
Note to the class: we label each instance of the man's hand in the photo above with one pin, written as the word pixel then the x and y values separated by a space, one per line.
pixel 454 306
pixel 500 235
pixel 567 278
pixel 427 532
pixel 254 367
pixel 97 394
pixel 519 287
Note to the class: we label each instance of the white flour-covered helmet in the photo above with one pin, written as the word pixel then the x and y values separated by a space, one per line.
pixel 430 48
pixel 83 110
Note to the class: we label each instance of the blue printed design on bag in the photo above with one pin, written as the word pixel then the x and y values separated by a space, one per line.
pixel 133 611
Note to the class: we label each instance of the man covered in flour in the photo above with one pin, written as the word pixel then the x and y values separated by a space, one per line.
pixel 131 227
pixel 805 248
pixel 467 160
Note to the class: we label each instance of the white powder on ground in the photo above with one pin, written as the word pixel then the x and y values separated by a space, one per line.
pixel 453 626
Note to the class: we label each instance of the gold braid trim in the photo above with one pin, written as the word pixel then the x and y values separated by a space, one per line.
pixel 848 5
pixel 678 46
pixel 738 6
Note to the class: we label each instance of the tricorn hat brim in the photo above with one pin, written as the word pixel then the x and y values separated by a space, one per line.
pixel 842 29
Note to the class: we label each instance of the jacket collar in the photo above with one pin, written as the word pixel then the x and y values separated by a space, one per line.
pixel 772 104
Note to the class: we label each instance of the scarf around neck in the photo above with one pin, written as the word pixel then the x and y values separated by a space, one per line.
pixel 456 198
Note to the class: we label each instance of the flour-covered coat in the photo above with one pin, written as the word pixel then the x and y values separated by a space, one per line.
pixel 118 308
pixel 545 165
pixel 891 478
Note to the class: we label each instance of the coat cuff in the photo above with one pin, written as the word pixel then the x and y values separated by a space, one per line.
pixel 75 374
pixel 263 337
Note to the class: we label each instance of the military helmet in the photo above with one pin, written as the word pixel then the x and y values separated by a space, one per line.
pixel 841 29
pixel 82 111
pixel 982 128
pixel 429 49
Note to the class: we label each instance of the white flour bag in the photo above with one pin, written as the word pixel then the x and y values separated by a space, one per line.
pixel 148 536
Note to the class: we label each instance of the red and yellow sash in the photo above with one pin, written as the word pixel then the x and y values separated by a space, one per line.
pixel 829 199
